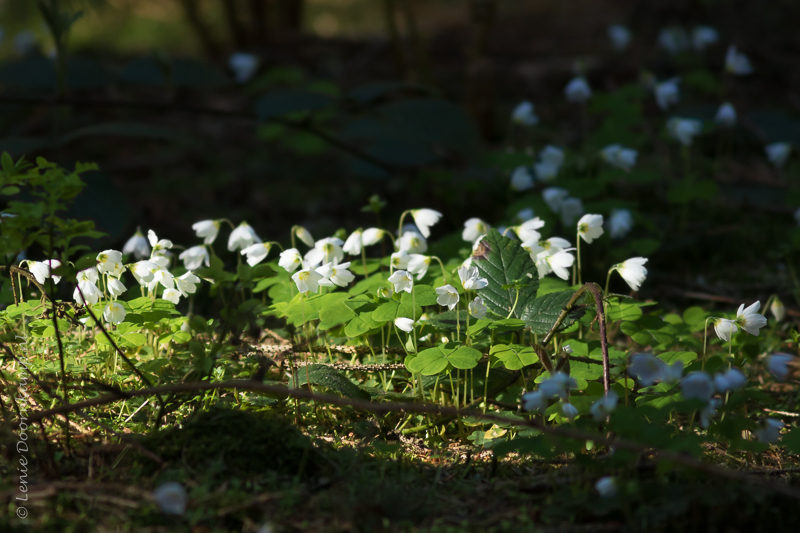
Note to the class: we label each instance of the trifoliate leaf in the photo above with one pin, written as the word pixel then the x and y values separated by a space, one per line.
pixel 436 360
pixel 502 261
pixel 330 378
pixel 514 356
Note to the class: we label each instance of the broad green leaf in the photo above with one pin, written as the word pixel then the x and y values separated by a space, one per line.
pixel 514 356
pixel 649 330
pixel 541 314
pixel 436 360
pixel 671 357
pixel 302 309
pixel 423 295
pixel 280 103
pixel 623 310
pixel 332 379
pixel 502 261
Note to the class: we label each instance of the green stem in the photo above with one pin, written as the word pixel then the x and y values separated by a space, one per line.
pixel 444 274
pixel 400 225
pixel 705 339
pixel 516 299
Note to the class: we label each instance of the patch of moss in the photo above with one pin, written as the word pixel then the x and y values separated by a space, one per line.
pixel 246 444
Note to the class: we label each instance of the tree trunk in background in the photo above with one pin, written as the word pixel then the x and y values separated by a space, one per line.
pixel 202 31
pixel 480 68
pixel 239 33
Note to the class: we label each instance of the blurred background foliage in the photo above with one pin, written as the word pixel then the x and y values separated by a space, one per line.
pixel 411 99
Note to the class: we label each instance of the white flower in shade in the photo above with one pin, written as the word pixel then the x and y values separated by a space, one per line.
pixel 534 401
pixel 569 411
pixel 108 260
pixel 418 265
pixel 143 271
pixel 620 223
pixel 86 290
pixel 552 155
pixel 731 379
pixel 195 257
pixel 400 260
pixel 602 408
pixel 41 270
pixel 255 253
pixel 470 278
pixel 527 230
pixel 726 115
pixel 671 374
pixel 160 260
pixel 477 308
pixel 620 37
pixel 606 487
pixel 697 386
pixel 667 93
pixel 406 324
pixel 242 237
pixel 114 313
pixel 521 179
pixel 632 271
pixel 328 250
pixel 90 274
pixel 620 157
pixel 116 287
pixel 335 274
pixel 402 281
pixel 673 39
pixel 684 130
pixel 749 319
pixel 207 230
pixel 725 328
pixel 160 246
pixel 737 63
pixel 424 219
pixel 778 365
pixel 559 384
pixel 372 236
pixel 474 228
pixel 524 114
pixel 243 65
pixel 647 368
pixel 304 235
pixel 171 295
pixel 770 432
pixel 353 243
pixel 555 244
pixel 560 262
pixel 590 227
pixel 187 283
pixel 554 197
pixel 412 243
pixel 571 208
pixel 778 309
pixel 171 498
pixel 290 259
pixel 703 37
pixel 709 412
pixel 523 215
pixel 163 277
pixel 778 153
pixel 307 280
pixel 137 245
pixel 447 295
pixel 546 171
pixel 578 90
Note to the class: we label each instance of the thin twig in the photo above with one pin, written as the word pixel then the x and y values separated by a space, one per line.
pixel 378 408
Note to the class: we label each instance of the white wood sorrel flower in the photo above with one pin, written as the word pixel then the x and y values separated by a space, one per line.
pixel 328 250
pixel 737 63
pixel 632 271
pixel 474 228
pixel 307 280
pixel 207 230
pixel 353 243
pixel 470 278
pixel 590 227
pixel 304 235
pixel 447 296
pixel 620 37
pixel 86 292
pixel 108 260
pixel 137 245
pixel 290 260
pixel 114 313
pixel 578 90
pixel 620 223
pixel 116 287
pixel 524 114
pixel 406 324
pixel 749 320
pixel 187 283
pixel 335 274
pixel 402 281
pixel 725 328
pixel 242 237
pixel 412 243
pixel 160 246
pixel 41 270
pixel 424 219
pixel 195 257
pixel 255 253
pixel 477 308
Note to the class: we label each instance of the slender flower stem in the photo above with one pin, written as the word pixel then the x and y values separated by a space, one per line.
pixel 444 274
pixel 608 280
pixel 400 225
pixel 580 282
pixel 516 299
pixel 364 260
pixel 705 338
